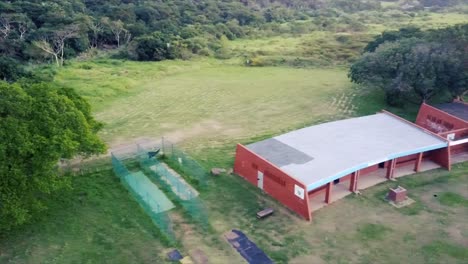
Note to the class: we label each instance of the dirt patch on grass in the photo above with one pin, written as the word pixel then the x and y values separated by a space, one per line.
pixel 202 248
pixel 307 259
pixel 130 147
pixel 458 233
pixel 202 129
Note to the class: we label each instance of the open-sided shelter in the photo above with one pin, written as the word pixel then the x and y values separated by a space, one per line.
pixel 308 168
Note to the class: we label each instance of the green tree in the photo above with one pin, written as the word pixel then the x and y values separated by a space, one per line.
pixel 39 125
pixel 412 68
pixel 10 69
pixel 389 36
pixel 154 47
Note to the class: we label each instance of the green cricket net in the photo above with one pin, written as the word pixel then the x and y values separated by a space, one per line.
pixel 153 201
pixel 183 164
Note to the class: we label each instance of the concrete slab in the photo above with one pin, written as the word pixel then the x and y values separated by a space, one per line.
pixel 371 179
pixel 406 202
pixel 409 169
pixel 458 158
pixel 317 202
pixel 339 191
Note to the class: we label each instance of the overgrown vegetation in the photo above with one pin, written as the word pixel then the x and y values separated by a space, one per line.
pixel 416 66
pixel 34 31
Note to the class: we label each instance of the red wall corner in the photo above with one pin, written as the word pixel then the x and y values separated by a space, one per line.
pixel 442 157
pixel 276 183
pixel 438 121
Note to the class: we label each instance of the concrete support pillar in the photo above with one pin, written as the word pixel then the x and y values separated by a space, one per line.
pixel 328 193
pixel 353 183
pixel 449 158
pixel 442 157
pixel 417 165
pixel 391 169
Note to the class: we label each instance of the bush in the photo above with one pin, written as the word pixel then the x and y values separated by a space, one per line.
pixel 223 54
pixel 85 67
pixel 154 47
pixel 10 69
pixel 255 62
pixel 43 74
pixel 196 45
pixel 343 38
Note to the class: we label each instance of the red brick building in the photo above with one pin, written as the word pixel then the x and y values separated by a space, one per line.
pixel 309 168
pixel 447 120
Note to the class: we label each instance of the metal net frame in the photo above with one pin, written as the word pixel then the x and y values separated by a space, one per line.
pixel 184 164
pixel 145 199
pixel 172 182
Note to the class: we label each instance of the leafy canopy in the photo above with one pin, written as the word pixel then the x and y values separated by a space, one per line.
pixel 39 124
pixel 414 65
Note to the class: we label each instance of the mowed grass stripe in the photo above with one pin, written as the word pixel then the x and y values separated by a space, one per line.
pixel 218 99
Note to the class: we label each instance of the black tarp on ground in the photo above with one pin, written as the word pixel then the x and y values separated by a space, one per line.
pixel 174 255
pixel 247 248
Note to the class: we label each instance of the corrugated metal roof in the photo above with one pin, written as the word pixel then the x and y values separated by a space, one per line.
pixel 459 110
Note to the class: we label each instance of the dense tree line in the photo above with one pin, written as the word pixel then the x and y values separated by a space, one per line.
pixel 37 31
pixel 414 65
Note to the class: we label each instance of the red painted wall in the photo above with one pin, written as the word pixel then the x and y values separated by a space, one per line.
pixel 443 123
pixel 437 120
pixel 345 178
pixel 275 182
pixel 459 149
pixel 319 190
pixel 442 157
pixel 368 170
pixel 406 160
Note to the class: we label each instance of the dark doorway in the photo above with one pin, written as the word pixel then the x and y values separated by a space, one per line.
pixel 381 165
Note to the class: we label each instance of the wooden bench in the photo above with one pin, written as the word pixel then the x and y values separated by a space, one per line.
pixel 264 213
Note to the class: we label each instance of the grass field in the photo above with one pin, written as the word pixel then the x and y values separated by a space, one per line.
pixel 207 101
pixel 207 106
pixel 98 222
